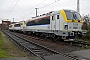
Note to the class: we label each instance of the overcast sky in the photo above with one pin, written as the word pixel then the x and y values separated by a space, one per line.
pixel 25 9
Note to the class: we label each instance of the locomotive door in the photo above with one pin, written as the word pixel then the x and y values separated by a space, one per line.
pixel 53 22
pixel 57 19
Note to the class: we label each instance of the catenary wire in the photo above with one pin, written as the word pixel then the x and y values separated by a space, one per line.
pixel 13 7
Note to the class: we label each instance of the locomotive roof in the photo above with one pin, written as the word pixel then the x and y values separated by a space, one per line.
pixel 38 18
pixel 66 10
pixel 17 23
pixel 58 12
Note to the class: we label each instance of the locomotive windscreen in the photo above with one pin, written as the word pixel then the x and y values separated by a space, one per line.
pixel 72 15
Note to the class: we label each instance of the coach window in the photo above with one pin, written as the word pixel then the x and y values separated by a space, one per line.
pixel 10 26
pixel 57 16
pixel 17 25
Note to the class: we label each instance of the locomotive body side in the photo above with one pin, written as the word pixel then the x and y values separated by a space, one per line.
pixel 39 24
pixel 63 23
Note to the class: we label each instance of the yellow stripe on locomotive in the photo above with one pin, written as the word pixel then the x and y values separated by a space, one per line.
pixel 12 25
pixel 23 23
pixel 63 13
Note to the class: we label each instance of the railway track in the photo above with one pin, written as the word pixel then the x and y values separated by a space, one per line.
pixel 37 49
pixel 32 47
pixel 60 46
pixel 78 43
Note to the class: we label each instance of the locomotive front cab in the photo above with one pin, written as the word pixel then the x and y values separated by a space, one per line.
pixel 23 25
pixel 11 27
pixel 73 23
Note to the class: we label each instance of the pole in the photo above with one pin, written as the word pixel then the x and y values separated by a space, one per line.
pixel 36 11
pixel 13 19
pixel 78 6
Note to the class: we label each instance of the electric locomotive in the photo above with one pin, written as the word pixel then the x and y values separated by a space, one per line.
pixel 64 24
pixel 61 24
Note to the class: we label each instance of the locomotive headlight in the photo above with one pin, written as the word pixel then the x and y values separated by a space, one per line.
pixel 65 27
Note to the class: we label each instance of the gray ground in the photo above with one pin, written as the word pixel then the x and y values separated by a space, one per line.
pixel 82 55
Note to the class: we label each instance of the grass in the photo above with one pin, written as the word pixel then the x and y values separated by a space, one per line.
pixel 8 49
pixel 87 43
pixel 87 47
pixel 15 48
pixel 3 51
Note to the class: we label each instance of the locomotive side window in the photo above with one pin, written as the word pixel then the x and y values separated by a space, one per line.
pixel 57 16
pixel 44 21
pixel 52 18
pixel 31 23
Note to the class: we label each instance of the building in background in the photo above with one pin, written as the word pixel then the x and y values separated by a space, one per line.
pixel 5 24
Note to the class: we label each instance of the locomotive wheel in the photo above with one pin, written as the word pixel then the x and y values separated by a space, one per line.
pixel 54 37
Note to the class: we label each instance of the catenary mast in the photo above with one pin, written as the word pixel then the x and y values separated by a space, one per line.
pixel 78 9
